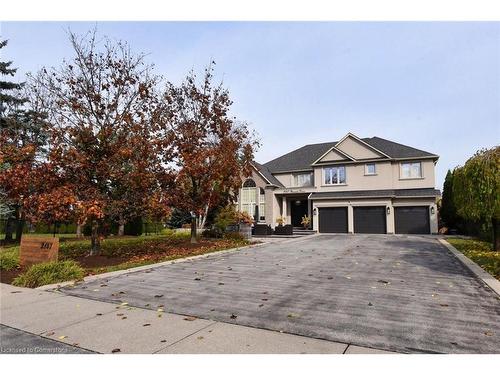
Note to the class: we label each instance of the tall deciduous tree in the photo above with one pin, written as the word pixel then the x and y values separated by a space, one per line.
pixel 100 106
pixel 476 190
pixel 210 149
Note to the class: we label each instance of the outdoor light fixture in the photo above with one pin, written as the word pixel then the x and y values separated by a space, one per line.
pixel 432 210
pixel 388 210
pixel 297 203
pixel 315 211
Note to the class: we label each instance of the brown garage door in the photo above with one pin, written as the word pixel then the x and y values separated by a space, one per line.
pixel 333 220
pixel 370 219
pixel 412 220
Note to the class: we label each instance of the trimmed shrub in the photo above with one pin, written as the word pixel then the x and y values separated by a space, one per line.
pixel 212 233
pixel 50 273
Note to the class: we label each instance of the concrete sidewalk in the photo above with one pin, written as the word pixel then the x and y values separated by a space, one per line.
pixel 106 328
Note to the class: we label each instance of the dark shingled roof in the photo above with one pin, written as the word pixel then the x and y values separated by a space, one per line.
pixel 267 174
pixel 397 193
pixel 303 157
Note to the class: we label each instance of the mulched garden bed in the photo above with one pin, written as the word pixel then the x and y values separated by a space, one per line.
pixel 127 255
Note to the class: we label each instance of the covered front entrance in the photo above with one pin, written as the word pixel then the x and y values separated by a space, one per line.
pixel 299 209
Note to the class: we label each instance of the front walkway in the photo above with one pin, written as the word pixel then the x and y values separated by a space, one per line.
pixel 43 320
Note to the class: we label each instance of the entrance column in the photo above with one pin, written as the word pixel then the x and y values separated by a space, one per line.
pixel 283 208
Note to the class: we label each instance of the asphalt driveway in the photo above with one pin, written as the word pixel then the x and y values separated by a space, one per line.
pixel 400 293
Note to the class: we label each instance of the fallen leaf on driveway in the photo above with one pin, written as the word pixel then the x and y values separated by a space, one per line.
pixel 160 310
pixel 329 277
pixel 383 281
pixel 197 279
pixel 261 305
pixel 444 305
pixel 124 317
pixel 221 283
pixel 158 295
pixel 488 333
pixel 16 291
pixel 146 325
pixel 370 304
pixel 292 315
pixel 190 318
pixel 233 316
pixel 116 351
pixel 62 337
pixel 119 314
pixel 124 304
pixel 49 334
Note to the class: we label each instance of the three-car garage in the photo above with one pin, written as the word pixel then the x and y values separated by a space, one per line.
pixel 374 219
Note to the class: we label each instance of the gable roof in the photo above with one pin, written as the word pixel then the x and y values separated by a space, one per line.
pixel 397 150
pixel 303 157
pixel 267 174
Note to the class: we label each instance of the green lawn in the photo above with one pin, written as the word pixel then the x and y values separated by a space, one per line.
pixel 480 252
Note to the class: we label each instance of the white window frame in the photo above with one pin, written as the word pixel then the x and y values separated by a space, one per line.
pixel 338 180
pixel 411 177
pixel 248 205
pixel 295 178
pixel 367 173
pixel 262 207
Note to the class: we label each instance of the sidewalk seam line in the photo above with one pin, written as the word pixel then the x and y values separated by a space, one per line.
pixel 191 334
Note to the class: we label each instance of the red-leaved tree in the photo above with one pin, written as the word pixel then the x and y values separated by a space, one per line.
pixel 100 107
pixel 209 148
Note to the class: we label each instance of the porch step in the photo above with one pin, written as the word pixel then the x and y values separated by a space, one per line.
pixel 303 232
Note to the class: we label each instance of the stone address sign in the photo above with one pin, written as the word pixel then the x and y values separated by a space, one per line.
pixel 38 250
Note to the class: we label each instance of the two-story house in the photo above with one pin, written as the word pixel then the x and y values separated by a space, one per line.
pixel 354 185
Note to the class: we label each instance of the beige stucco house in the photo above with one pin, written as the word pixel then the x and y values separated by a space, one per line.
pixel 354 185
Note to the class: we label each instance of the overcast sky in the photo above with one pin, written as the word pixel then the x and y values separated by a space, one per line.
pixel 433 86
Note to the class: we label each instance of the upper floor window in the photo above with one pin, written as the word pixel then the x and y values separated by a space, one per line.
pixel 370 169
pixel 411 170
pixel 334 175
pixel 302 179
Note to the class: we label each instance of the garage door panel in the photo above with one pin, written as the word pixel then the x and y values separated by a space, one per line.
pixel 370 219
pixel 412 220
pixel 333 220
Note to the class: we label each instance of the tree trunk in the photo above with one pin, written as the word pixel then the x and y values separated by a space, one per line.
pixel 9 229
pixel 19 225
pixel 79 230
pixel 121 226
pixel 496 234
pixel 193 230
pixel 95 241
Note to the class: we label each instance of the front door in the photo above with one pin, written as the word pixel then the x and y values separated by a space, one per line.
pixel 299 209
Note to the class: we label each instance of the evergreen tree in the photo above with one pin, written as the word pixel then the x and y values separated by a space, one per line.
pixel 448 210
pixel 9 97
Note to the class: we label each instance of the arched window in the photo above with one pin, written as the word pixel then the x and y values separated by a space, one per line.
pixel 249 183
pixel 248 196
pixel 252 200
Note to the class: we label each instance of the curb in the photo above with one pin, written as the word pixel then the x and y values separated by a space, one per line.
pixel 146 267
pixel 484 276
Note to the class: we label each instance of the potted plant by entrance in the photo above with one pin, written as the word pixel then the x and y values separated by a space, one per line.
pixel 306 221
pixel 282 229
pixel 245 224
